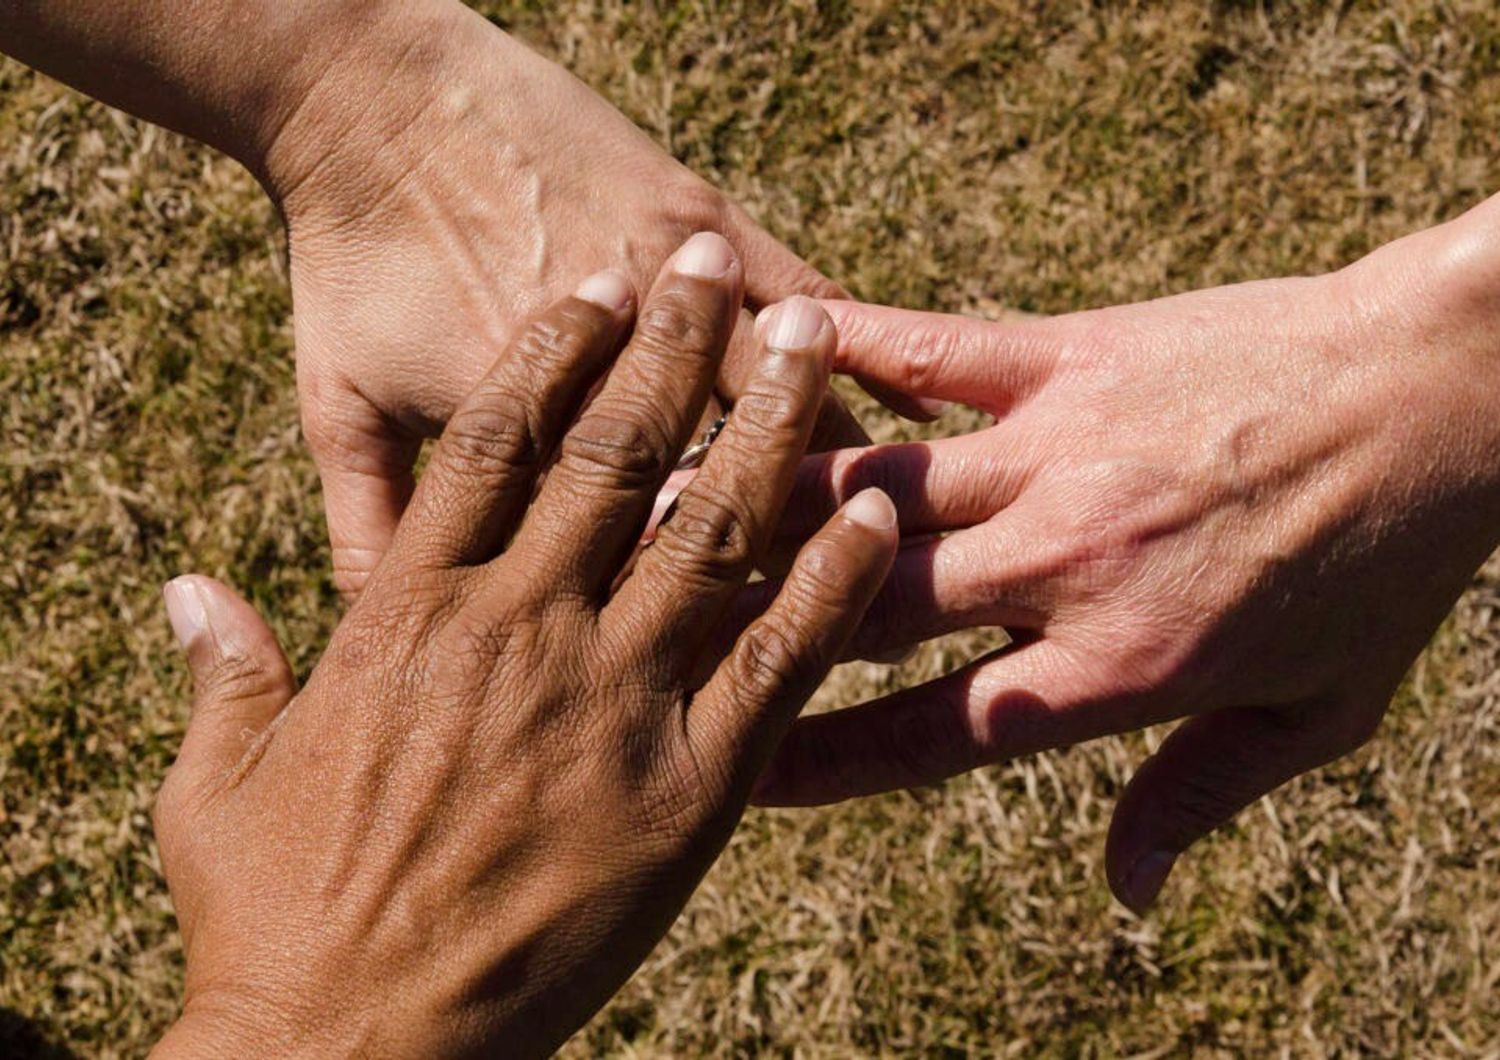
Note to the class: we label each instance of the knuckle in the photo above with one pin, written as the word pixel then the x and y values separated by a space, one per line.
pixel 681 322
pixel 709 532
pixel 769 655
pixel 1333 732
pixel 822 575
pixel 352 569
pixel 920 744
pixel 494 637
pixel 815 285
pixel 775 409
pixel 673 783
pixel 627 445
pixel 394 620
pixel 699 206
pixel 492 433
pixel 239 678
pixel 926 359
pixel 166 810
pixel 549 344
pixel 334 431
pixel 855 470
pixel 1098 339
pixel 1205 800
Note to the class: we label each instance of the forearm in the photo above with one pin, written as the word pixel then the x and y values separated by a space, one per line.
pixel 259 79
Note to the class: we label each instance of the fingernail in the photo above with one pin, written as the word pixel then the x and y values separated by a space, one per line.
pixel 934 407
pixel 185 610
pixel 793 324
pixel 871 508
pixel 608 289
pixel 1145 879
pixel 707 254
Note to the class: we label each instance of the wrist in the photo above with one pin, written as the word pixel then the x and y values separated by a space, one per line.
pixel 252 1013
pixel 1455 299
pixel 1436 293
pixel 390 76
pixel 235 1026
pixel 232 74
pixel 198 1034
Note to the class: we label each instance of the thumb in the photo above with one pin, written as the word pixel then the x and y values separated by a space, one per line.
pixel 241 680
pixel 365 463
pixel 1208 770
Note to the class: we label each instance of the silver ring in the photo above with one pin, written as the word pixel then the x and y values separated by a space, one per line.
pixel 696 453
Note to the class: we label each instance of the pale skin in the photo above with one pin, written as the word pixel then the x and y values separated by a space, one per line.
pixel 518 754
pixel 440 182
pixel 1247 507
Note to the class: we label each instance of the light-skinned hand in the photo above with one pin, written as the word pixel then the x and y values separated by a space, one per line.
pixel 440 183
pixel 1249 507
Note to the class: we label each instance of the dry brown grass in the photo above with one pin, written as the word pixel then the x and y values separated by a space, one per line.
pixel 962 156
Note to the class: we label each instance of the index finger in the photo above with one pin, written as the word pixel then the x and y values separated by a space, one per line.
pixel 989 365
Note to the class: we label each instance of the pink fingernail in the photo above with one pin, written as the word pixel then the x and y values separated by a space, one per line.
pixel 185 610
pixel 707 255
pixel 608 289
pixel 871 508
pixel 793 324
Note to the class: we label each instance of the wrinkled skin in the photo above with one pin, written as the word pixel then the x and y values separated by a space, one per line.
pixel 480 184
pixel 516 758
pixel 440 183
pixel 1250 507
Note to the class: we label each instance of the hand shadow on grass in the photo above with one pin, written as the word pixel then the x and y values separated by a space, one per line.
pixel 23 1038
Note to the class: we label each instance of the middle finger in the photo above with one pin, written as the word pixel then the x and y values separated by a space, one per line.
pixel 724 518
pixel 594 503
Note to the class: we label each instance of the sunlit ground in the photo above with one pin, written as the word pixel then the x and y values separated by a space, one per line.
pixel 946 154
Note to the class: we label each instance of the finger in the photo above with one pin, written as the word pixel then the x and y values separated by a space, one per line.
pixel 836 427
pixel 614 460
pixel 936 486
pixel 989 365
pixel 486 465
pixel 1031 697
pixel 909 406
pixel 724 518
pixel 774 273
pixel 1009 572
pixel 365 464
pixel 241 680
pixel 1208 770
pixel 780 660
pixel 1013 571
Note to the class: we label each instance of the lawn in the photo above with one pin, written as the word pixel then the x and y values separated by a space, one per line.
pixel 953 155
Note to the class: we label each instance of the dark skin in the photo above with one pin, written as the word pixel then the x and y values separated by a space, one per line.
pixel 516 759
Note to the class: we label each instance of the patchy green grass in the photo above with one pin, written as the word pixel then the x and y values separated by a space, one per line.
pixel 951 155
